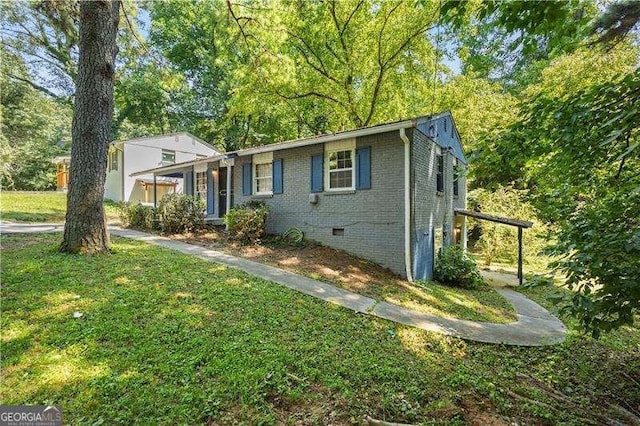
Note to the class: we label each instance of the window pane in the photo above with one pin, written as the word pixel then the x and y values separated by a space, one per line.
pixel 168 157
pixel 263 177
pixel 263 185
pixel 263 170
pixel 333 160
pixel 340 179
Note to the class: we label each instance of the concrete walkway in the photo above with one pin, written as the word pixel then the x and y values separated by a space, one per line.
pixel 535 325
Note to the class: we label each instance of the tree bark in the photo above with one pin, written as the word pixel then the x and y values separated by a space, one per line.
pixel 85 229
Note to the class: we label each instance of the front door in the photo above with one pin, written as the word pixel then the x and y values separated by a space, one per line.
pixel 222 190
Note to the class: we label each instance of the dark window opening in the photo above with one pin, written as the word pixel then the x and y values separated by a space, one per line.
pixel 339 232
pixel 440 173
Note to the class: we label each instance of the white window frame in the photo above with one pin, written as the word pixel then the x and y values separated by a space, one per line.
pixel 201 184
pixel 335 147
pixel 167 151
pixel 259 160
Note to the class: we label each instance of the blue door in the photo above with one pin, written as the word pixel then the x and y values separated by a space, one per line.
pixel 423 254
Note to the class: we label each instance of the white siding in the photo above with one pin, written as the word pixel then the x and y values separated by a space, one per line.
pixel 146 153
pixel 113 181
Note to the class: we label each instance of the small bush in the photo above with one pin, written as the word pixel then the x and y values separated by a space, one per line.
pixel 135 215
pixel 247 223
pixel 293 237
pixel 455 268
pixel 180 213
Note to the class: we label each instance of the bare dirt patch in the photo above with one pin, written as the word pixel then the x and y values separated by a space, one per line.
pixel 361 276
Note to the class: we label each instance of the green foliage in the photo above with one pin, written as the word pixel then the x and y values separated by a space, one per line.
pixel 293 236
pixel 600 245
pixel 180 213
pixel 513 40
pixel 247 222
pixel 135 215
pixel 496 242
pixel 33 130
pixel 453 267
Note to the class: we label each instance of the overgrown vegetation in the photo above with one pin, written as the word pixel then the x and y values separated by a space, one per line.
pixel 454 267
pixel 173 339
pixel 136 215
pixel 247 222
pixel 179 213
pixel 494 242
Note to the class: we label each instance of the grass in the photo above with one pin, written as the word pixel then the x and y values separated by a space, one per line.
pixel 367 278
pixel 46 206
pixel 166 338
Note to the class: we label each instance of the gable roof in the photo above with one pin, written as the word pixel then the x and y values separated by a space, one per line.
pixel 422 123
pixel 443 131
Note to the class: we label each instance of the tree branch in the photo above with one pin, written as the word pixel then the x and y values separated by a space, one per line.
pixel 40 88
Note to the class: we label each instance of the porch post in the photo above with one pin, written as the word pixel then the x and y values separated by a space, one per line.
pixel 155 192
pixel 210 188
pixel 520 277
pixel 229 177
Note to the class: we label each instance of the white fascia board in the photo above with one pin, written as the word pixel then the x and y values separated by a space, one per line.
pixel 326 138
pixel 178 166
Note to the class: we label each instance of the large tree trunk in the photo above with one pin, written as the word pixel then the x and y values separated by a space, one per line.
pixel 85 229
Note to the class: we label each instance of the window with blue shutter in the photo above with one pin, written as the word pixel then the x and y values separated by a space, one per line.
pixel 277 177
pixel 246 179
pixel 316 173
pixel 363 168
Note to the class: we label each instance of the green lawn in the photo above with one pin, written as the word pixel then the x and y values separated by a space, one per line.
pixel 47 206
pixel 165 338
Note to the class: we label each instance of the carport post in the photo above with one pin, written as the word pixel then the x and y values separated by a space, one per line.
pixel 229 177
pixel 520 278
pixel 155 192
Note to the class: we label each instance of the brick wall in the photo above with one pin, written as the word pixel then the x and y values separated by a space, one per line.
pixel 372 219
pixel 432 212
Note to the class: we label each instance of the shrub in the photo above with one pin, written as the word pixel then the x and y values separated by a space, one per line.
pixel 135 215
pixel 293 236
pixel 180 213
pixel 455 268
pixel 247 223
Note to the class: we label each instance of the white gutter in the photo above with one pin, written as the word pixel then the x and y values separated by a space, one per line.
pixel 365 131
pixel 407 204
pixel 347 134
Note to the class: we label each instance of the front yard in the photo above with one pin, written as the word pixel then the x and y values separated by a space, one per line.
pixel 165 338
pixel 45 206
pixel 363 277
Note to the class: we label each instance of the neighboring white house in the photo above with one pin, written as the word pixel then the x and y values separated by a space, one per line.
pixel 133 155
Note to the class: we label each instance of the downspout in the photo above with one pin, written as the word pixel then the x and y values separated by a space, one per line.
pixel 407 205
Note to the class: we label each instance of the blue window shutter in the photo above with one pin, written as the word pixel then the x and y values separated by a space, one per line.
pixel 316 173
pixel 363 168
pixel 246 179
pixel 277 177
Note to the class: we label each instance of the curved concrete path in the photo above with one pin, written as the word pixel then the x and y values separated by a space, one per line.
pixel 535 325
